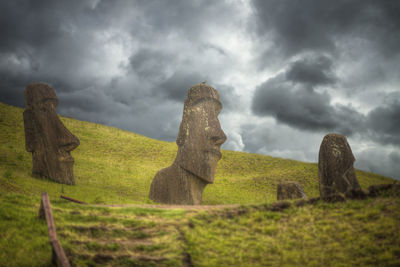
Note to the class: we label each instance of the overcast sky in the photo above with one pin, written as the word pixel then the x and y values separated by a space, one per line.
pixel 288 71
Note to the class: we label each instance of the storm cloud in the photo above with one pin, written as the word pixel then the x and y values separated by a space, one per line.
pixel 312 71
pixel 384 121
pixel 312 25
pixel 293 98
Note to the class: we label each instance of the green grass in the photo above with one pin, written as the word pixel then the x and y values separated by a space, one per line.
pixel 355 233
pixel 90 235
pixel 116 167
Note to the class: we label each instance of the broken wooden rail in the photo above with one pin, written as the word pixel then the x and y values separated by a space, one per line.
pixel 73 200
pixel 58 254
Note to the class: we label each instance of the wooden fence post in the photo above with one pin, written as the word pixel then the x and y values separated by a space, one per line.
pixel 45 212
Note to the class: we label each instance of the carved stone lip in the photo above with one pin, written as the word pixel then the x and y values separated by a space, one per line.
pixel 69 146
pixel 66 158
pixel 214 151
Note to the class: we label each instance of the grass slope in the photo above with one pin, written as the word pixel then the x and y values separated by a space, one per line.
pixel 114 166
pixel 354 233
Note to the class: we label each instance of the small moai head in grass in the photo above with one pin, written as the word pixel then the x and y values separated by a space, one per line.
pixel 46 136
pixel 290 190
pixel 335 166
pixel 200 135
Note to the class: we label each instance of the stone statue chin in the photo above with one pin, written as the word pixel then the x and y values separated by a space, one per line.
pixel 199 140
pixel 46 136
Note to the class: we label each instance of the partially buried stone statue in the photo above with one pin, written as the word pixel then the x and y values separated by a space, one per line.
pixel 290 190
pixel 335 166
pixel 46 136
pixel 199 139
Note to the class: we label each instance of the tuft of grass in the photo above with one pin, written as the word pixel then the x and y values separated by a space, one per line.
pixel 7 174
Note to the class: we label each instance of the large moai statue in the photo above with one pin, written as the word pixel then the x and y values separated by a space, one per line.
pixel 335 166
pixel 46 136
pixel 199 139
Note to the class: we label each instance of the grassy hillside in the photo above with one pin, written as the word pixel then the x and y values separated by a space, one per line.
pixel 116 167
pixel 353 233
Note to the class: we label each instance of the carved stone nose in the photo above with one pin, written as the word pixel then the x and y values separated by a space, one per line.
pixel 68 141
pixel 219 138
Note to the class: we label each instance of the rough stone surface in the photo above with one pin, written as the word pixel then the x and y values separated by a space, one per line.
pixel 279 206
pixel 383 189
pixel 46 136
pixel 333 198
pixel 335 166
pixel 356 194
pixel 199 139
pixel 290 190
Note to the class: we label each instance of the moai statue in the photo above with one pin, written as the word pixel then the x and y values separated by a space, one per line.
pixel 46 136
pixel 335 166
pixel 290 190
pixel 199 139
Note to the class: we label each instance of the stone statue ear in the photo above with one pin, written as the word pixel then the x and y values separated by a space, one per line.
pixel 29 127
pixel 180 140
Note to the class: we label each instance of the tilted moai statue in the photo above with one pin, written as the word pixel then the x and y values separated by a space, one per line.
pixel 335 166
pixel 290 190
pixel 46 136
pixel 199 139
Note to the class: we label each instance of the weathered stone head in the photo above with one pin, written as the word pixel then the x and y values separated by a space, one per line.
pixel 290 190
pixel 46 136
pixel 199 140
pixel 335 166
pixel 200 135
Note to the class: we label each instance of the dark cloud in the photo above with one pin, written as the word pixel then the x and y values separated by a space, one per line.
pixel 314 71
pixel 151 64
pixel 64 43
pixel 190 19
pixel 315 25
pixel 379 160
pixel 39 44
pixel 384 121
pixel 176 86
pixel 298 107
pixel 25 24
pixel 292 99
pixel 307 109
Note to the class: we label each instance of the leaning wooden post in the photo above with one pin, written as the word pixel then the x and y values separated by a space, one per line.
pixel 45 212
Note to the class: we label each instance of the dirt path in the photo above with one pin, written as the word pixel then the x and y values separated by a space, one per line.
pixel 161 206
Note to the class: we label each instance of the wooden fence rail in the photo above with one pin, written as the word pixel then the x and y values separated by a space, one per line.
pixel 58 254
pixel 73 200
